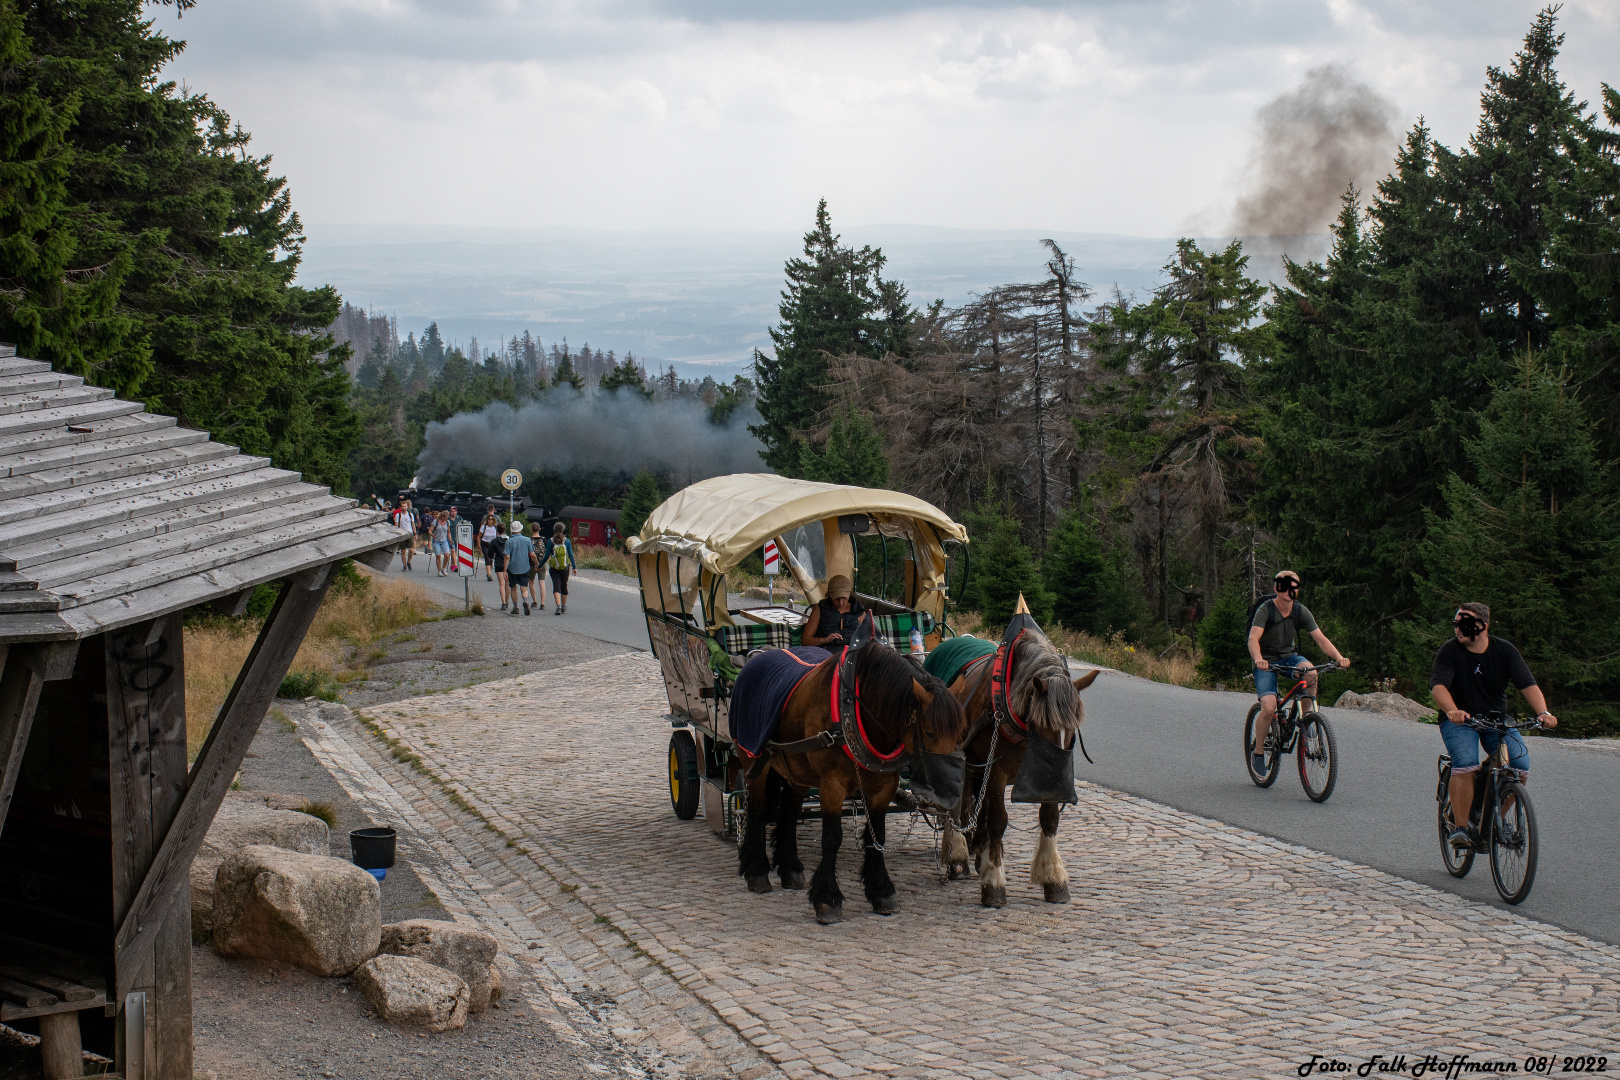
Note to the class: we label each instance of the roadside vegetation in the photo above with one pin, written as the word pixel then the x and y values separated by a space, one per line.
pixel 359 611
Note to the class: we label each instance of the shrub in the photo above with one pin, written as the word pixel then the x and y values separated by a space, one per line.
pixel 1223 637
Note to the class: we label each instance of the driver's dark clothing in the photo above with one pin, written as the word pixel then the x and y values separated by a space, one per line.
pixel 841 623
pixel 1478 681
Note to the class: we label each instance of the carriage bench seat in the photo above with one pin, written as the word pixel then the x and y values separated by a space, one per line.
pixel 745 638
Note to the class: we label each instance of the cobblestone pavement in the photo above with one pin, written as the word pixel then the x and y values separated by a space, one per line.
pixel 1189 948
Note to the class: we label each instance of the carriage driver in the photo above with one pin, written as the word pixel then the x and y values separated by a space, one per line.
pixel 1274 640
pixel 833 622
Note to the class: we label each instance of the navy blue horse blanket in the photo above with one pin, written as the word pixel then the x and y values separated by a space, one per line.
pixel 763 688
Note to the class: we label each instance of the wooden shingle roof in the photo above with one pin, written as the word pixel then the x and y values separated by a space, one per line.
pixel 111 515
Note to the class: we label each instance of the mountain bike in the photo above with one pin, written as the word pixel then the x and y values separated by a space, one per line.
pixel 1294 731
pixel 1502 820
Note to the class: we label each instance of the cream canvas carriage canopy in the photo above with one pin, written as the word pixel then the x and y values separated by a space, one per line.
pixel 714 524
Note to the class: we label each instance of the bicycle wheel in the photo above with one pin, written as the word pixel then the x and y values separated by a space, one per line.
pixel 1318 757
pixel 1274 761
pixel 1513 843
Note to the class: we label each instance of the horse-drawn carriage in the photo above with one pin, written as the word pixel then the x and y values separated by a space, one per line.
pixel 861 728
pixel 691 542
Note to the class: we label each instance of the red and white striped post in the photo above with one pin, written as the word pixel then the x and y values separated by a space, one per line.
pixel 773 566
pixel 464 559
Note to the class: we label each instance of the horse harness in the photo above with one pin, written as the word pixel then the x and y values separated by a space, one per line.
pixel 1010 726
pixel 850 734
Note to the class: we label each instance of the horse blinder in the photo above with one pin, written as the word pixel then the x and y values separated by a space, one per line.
pixel 937 779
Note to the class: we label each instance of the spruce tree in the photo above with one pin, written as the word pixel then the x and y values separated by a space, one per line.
pixel 1003 568
pixel 836 303
pixel 49 308
pixel 1536 536
pixel 853 454
pixel 627 376
pixel 165 180
pixel 642 499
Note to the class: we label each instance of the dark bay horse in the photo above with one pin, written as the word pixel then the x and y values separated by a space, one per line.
pixel 1041 693
pixel 900 707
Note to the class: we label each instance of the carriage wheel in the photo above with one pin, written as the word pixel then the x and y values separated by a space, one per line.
pixel 684 787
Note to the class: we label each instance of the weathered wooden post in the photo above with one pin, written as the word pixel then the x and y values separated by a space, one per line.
pixel 112 523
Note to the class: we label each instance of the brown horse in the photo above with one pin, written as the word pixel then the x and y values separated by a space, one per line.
pixel 1040 692
pixel 903 711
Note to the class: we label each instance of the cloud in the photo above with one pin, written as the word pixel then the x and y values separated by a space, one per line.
pixel 1101 116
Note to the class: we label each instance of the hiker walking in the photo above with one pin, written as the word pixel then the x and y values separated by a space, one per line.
pixel 559 561
pixel 405 522
pixel 518 559
pixel 441 541
pixel 486 541
pixel 496 557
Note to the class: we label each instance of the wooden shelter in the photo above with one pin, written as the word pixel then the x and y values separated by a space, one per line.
pixel 114 521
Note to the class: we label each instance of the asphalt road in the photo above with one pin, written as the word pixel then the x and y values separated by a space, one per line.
pixel 600 605
pixel 1184 748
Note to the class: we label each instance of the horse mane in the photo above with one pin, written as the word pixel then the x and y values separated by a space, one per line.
pixel 885 679
pixel 1043 692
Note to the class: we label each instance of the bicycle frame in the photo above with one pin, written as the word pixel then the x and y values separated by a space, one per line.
pixel 1495 771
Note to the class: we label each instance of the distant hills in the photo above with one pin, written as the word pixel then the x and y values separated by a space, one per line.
pixel 698 298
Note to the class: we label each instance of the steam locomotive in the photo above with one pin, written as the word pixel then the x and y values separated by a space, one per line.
pixel 473 506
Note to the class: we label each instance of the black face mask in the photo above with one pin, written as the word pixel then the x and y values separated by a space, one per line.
pixel 1468 626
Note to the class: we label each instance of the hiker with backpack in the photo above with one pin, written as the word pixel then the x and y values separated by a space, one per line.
pixel 560 562
pixel 1274 625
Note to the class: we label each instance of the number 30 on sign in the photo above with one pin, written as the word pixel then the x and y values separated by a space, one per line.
pixel 511 479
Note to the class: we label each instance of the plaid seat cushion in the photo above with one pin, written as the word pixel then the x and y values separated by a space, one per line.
pixel 746 637
pixel 897 628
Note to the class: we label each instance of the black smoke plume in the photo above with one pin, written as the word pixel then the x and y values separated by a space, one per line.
pixel 616 432
pixel 1314 141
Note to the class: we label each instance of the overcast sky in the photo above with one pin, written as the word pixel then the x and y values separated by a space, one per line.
pixel 1124 116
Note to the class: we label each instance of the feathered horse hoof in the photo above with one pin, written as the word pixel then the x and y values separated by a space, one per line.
pixel 792 879
pixel 885 905
pixel 761 884
pixel 1057 894
pixel 827 914
pixel 993 896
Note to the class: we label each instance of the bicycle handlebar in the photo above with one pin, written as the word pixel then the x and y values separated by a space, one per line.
pixel 1300 672
pixel 1502 722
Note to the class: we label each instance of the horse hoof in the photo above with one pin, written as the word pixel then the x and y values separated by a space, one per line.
pixel 827 914
pixel 792 879
pixel 761 884
pixel 1057 894
pixel 993 896
pixel 885 905
pixel 956 870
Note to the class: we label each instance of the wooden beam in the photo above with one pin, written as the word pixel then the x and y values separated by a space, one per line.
pixel 53 661
pixel 19 697
pixel 379 558
pixel 143 917
pixel 234 605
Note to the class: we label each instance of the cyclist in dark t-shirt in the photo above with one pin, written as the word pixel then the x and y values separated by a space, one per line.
pixel 1274 642
pixel 1470 678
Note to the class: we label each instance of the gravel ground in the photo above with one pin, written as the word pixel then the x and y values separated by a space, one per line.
pixel 259 1019
pixel 459 652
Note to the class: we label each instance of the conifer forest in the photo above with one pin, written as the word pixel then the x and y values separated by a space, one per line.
pixel 1429 415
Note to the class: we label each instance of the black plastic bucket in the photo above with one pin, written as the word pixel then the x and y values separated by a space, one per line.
pixel 373 848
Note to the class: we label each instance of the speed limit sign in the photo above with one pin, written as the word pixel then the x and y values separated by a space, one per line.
pixel 511 479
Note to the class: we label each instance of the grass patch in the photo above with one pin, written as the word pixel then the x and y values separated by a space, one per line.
pixel 1179 668
pixel 349 620
pixel 299 685
pixel 325 811
pixel 612 560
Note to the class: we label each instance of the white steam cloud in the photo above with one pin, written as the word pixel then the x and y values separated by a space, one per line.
pixel 616 432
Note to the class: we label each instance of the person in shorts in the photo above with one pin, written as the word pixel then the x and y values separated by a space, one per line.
pixel 497 559
pixel 441 543
pixel 1469 678
pixel 1274 642
pixel 559 561
pixel 487 532
pixel 518 560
